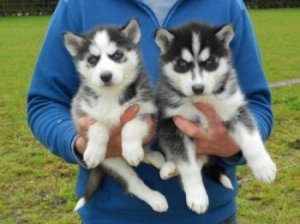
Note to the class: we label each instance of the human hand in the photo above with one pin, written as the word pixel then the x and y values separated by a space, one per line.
pixel 114 143
pixel 212 141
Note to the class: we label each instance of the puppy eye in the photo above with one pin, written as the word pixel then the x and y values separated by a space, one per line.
pixel 93 59
pixel 210 63
pixel 182 66
pixel 117 56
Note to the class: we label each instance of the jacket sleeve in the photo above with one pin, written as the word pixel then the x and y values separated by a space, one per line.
pixel 251 76
pixel 53 85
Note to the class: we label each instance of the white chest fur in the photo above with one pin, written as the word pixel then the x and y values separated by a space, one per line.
pixel 225 108
pixel 106 110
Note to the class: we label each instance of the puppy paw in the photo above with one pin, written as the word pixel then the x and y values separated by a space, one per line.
pixel 197 201
pixel 158 202
pixel 264 170
pixel 168 170
pixel 93 156
pixel 133 153
pixel 154 158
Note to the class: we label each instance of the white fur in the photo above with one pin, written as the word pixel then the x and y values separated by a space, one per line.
pixel 154 158
pixel 132 137
pixel 122 73
pixel 196 43
pixel 225 181
pixel 190 173
pixel 204 55
pixel 106 110
pixel 168 170
pixel 209 79
pixel 254 151
pixel 81 202
pixel 186 55
pixel 95 152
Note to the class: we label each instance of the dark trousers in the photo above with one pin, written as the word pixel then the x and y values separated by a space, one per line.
pixel 231 220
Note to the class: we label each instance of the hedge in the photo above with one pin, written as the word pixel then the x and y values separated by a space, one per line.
pixel 42 7
pixel 272 3
pixel 26 7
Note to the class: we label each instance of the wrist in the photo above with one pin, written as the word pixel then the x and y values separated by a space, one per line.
pixel 78 155
pixel 80 145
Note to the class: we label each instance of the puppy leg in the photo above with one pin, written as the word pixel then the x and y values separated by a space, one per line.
pixel 127 177
pixel 154 158
pixel 132 137
pixel 196 196
pixel 95 152
pixel 168 170
pixel 254 151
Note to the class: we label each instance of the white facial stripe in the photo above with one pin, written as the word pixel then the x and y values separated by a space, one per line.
pixel 94 50
pixel 186 55
pixel 204 55
pixel 196 43
pixel 103 42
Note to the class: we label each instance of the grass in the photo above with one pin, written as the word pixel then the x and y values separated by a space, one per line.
pixel 37 187
pixel 278 33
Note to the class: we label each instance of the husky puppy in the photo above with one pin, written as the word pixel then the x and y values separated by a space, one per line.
pixel 112 78
pixel 196 66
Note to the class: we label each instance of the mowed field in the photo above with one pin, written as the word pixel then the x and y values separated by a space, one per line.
pixel 37 187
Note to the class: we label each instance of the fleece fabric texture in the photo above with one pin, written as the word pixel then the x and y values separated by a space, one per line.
pixel 55 82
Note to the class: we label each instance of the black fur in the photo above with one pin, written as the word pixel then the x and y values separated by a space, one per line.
pixel 213 169
pixel 183 39
pixel 93 182
pixel 171 138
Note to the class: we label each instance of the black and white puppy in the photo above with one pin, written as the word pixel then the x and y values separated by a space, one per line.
pixel 196 66
pixel 112 78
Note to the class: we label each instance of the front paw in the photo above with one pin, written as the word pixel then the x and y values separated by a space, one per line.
pixel 264 169
pixel 133 153
pixel 168 170
pixel 158 202
pixel 197 201
pixel 93 156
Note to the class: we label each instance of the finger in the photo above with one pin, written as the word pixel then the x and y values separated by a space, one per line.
pixel 80 145
pixel 84 123
pixel 150 122
pixel 189 128
pixel 129 114
pixel 151 128
pixel 209 113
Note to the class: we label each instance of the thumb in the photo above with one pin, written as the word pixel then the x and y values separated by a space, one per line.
pixel 188 127
pixel 129 114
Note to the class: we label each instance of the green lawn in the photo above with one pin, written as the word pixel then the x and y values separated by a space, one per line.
pixel 278 34
pixel 37 187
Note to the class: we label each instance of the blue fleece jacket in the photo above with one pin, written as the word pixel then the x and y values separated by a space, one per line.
pixel 55 82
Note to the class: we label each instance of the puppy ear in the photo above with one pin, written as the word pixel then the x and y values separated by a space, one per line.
pixel 163 39
pixel 73 42
pixel 132 31
pixel 225 34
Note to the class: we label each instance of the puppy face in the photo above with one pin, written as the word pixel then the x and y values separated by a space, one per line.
pixel 107 57
pixel 195 57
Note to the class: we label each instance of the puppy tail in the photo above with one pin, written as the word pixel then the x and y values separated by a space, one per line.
pixel 92 185
pixel 81 202
pixel 225 181
pixel 216 172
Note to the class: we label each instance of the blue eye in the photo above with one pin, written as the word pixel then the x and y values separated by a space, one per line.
pixel 117 56
pixel 182 66
pixel 93 59
pixel 210 63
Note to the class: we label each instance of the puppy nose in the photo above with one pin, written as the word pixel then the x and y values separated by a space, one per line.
pixel 198 89
pixel 106 77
